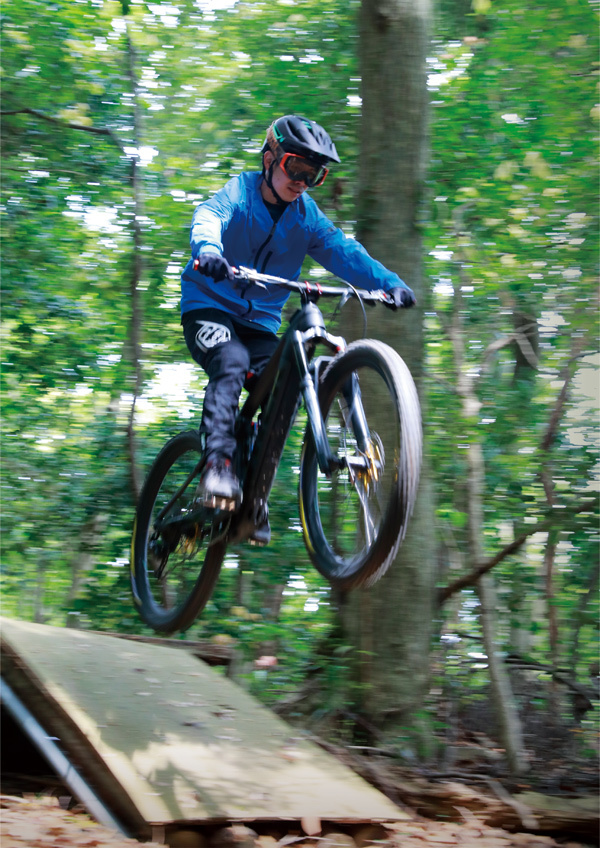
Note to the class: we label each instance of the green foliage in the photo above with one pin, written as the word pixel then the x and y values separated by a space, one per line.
pixel 513 241
pixel 511 226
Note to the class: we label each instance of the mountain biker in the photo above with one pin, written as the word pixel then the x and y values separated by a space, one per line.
pixel 263 220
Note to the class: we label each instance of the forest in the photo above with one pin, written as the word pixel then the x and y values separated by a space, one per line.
pixel 468 137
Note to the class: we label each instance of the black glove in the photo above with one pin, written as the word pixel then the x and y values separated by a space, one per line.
pixel 214 265
pixel 401 298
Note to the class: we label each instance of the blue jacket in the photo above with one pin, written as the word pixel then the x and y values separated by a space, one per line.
pixel 236 223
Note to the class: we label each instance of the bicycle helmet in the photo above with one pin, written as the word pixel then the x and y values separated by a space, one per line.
pixel 293 134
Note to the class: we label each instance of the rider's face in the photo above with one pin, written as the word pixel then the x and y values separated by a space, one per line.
pixel 288 190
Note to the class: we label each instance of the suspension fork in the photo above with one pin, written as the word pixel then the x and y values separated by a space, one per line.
pixel 353 414
pixel 327 461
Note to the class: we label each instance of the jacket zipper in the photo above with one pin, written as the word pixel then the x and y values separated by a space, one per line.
pixel 262 247
pixel 266 262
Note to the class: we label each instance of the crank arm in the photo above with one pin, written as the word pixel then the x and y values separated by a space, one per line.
pixel 199 515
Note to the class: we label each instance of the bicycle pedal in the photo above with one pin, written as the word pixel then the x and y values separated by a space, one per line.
pixel 260 536
pixel 216 502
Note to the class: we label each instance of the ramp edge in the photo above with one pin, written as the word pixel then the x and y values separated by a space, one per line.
pixel 56 758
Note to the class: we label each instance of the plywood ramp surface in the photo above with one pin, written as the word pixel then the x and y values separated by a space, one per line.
pixel 179 739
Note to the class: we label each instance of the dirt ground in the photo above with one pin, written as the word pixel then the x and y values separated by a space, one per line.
pixel 41 822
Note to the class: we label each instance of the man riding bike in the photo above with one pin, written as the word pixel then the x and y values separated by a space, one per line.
pixel 264 220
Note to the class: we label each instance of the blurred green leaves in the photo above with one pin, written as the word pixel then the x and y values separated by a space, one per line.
pixel 510 220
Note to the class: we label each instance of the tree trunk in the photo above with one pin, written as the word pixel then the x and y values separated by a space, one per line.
pixel 547 479
pixel 83 561
pixel 579 617
pixel 502 695
pixel 390 625
pixel 38 593
pixel 135 327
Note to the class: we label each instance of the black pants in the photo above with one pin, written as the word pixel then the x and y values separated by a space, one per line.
pixel 232 354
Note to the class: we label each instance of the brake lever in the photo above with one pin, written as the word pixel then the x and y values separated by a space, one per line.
pixel 345 297
pixel 241 277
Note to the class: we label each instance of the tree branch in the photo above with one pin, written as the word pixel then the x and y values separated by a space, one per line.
pixel 566 375
pixel 494 346
pixel 487 565
pixel 26 171
pixel 525 346
pixel 561 675
pixel 66 124
pixel 451 389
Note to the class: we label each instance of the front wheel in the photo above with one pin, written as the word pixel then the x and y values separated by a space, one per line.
pixel 354 518
pixel 177 547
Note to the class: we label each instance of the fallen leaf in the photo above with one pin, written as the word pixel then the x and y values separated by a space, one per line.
pixel 311 825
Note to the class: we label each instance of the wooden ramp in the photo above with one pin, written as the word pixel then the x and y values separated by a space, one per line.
pixel 162 738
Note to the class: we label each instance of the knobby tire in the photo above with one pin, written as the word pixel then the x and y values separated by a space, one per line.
pixel 191 566
pixel 353 525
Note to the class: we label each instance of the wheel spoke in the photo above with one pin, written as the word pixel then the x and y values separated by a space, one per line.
pixel 367 521
pixel 178 547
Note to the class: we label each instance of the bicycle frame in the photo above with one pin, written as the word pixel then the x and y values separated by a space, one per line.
pixel 289 377
pixel 354 504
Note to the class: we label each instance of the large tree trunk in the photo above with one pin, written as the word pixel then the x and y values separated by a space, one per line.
pixel 390 625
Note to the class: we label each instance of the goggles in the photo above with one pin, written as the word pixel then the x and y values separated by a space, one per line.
pixel 300 170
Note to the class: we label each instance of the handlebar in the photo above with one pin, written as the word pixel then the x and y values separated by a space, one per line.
pixel 310 291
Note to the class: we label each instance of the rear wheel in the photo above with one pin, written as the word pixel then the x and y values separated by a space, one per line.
pixel 177 547
pixel 355 518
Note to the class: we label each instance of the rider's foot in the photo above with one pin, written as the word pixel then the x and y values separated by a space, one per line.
pixel 218 486
pixel 261 533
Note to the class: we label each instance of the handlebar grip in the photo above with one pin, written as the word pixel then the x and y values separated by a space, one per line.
pixel 196 265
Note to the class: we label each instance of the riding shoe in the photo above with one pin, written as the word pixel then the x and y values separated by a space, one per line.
pixel 218 486
pixel 261 533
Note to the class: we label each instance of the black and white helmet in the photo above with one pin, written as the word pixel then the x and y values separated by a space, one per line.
pixel 293 134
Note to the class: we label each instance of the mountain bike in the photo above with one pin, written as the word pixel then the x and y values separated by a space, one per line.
pixel 358 472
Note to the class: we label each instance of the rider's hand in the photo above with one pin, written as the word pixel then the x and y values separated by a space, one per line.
pixel 401 298
pixel 214 265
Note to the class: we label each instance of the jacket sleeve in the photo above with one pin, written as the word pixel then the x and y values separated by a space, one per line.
pixel 211 218
pixel 347 258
